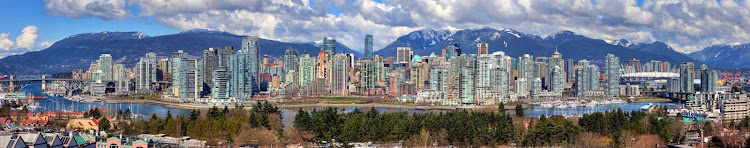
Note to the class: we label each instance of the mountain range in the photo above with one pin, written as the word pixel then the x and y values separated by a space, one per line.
pixel 78 51
pixel 515 44
pixel 725 56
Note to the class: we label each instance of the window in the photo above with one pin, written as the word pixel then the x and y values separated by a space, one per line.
pixel 113 146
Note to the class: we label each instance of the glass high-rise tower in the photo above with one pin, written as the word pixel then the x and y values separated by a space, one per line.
pixel 368 47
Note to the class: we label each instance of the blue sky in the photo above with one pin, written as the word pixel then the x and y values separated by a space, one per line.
pixel 687 26
pixel 22 13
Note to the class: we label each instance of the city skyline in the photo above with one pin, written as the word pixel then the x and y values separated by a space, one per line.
pixel 632 20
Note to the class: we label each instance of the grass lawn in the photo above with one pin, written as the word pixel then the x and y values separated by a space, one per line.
pixel 651 99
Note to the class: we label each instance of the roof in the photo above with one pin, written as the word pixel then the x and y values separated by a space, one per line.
pixel 652 74
pixel 416 59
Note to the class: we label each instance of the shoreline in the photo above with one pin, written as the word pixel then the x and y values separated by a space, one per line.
pixel 294 106
pixel 190 106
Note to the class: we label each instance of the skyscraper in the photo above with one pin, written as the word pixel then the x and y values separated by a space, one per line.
pixel 306 68
pixel 687 74
pixel 403 55
pixel 463 77
pixel 244 69
pixel 555 74
pixel 339 74
pixel 482 49
pixel 251 46
pixel 145 73
pixel 220 84
pixel 613 75
pixel 106 66
pixel 329 46
pixel 214 58
pixel 708 79
pixel 368 47
pixel 570 69
pixel 636 64
pixel 192 79
pixel 291 64
pixel 453 50
pixel 418 73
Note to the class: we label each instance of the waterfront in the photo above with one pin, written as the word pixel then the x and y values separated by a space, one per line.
pixel 58 103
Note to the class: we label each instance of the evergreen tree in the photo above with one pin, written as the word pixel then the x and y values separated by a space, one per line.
pixel 104 124
pixel 519 110
pixel 126 114
pixel 302 120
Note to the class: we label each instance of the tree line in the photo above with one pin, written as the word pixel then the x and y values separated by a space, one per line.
pixel 260 125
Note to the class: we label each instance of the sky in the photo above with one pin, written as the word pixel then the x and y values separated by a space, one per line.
pixel 685 25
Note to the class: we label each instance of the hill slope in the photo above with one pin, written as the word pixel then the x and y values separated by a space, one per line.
pixel 78 51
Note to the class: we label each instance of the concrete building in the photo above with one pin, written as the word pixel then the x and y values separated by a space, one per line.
pixel 708 80
pixel 570 69
pixel 612 71
pixel 687 74
pixel 482 49
pixel 244 69
pixel 340 68
pixel 307 72
pixel 145 73
pixel 403 55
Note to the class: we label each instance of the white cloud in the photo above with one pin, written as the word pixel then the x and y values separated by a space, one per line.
pixel 5 43
pixel 104 9
pixel 27 38
pixel 45 44
pixel 25 42
pixel 687 25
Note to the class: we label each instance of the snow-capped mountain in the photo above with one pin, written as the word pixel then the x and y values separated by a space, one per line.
pixel 621 42
pixel 515 44
pixel 725 56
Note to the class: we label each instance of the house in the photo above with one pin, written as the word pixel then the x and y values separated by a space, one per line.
pixel 120 143
pixel 83 124
pixel 33 139
pixel 53 141
pixel 34 122
pixel 11 141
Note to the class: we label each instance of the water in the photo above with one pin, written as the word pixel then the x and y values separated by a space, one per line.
pixel 287 114
pixel 61 104
pixel 539 111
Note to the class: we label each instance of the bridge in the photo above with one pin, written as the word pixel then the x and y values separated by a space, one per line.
pixel 69 85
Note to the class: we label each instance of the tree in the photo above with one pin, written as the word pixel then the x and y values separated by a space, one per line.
pixel 592 139
pixel 126 114
pixel 302 120
pixel 104 124
pixel 519 110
